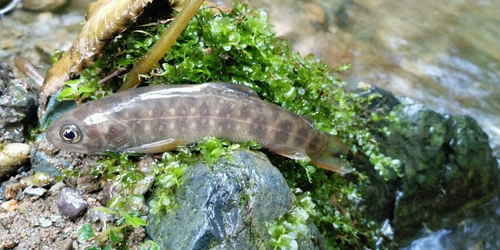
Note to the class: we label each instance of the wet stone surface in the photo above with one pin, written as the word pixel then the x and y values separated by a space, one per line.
pixel 447 164
pixel 226 206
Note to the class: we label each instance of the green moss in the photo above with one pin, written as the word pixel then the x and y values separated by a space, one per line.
pixel 240 47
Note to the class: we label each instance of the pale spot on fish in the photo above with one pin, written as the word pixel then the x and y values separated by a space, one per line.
pixel 211 123
pixel 161 127
pixel 147 127
pixel 171 125
pixel 150 113
pixel 171 111
pixel 217 111
pixel 192 110
pixel 193 125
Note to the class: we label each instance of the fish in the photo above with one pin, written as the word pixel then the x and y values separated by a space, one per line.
pixel 157 119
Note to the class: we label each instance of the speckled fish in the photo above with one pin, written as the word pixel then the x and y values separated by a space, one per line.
pixel 160 118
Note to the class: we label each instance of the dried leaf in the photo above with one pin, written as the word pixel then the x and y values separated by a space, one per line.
pixel 105 20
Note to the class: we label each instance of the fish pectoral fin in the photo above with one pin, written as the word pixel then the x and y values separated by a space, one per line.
pixel 157 147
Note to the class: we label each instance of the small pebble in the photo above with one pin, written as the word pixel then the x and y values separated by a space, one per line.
pixel 54 190
pixel 9 205
pixel 72 203
pixel 11 190
pixel 64 244
pixel 45 223
pixel 55 217
pixel 9 244
pixel 35 191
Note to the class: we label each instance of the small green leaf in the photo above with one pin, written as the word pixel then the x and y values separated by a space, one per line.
pixel 116 236
pixel 67 93
pixel 134 221
pixel 149 245
pixel 85 232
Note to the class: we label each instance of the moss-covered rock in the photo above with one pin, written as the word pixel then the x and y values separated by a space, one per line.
pixel 446 160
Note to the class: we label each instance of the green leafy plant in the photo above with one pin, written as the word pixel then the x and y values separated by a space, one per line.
pixel 112 235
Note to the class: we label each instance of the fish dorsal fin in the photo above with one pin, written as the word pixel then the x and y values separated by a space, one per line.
pixel 233 89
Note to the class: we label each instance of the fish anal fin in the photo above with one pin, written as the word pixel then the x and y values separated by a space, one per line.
pixel 157 147
pixel 289 152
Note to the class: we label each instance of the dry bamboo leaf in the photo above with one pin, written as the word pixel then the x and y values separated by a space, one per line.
pixel 105 20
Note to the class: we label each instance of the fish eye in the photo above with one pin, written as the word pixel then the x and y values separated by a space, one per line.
pixel 70 133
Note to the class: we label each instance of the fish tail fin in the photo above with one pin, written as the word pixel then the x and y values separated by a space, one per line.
pixel 330 159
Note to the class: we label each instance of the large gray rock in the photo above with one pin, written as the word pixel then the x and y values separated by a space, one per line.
pixel 226 206
pixel 447 163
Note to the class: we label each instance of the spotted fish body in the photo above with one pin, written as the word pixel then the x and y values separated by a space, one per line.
pixel 160 118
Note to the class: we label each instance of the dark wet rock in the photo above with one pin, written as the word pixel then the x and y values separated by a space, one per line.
pixel 18 104
pixel 55 108
pixel 446 160
pixel 479 230
pixel 2 190
pixel 226 206
pixel 71 202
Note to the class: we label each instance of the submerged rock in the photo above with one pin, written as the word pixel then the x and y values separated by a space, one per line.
pixel 446 161
pixel 226 206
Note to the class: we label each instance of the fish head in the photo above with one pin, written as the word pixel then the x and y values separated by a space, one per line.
pixel 79 133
